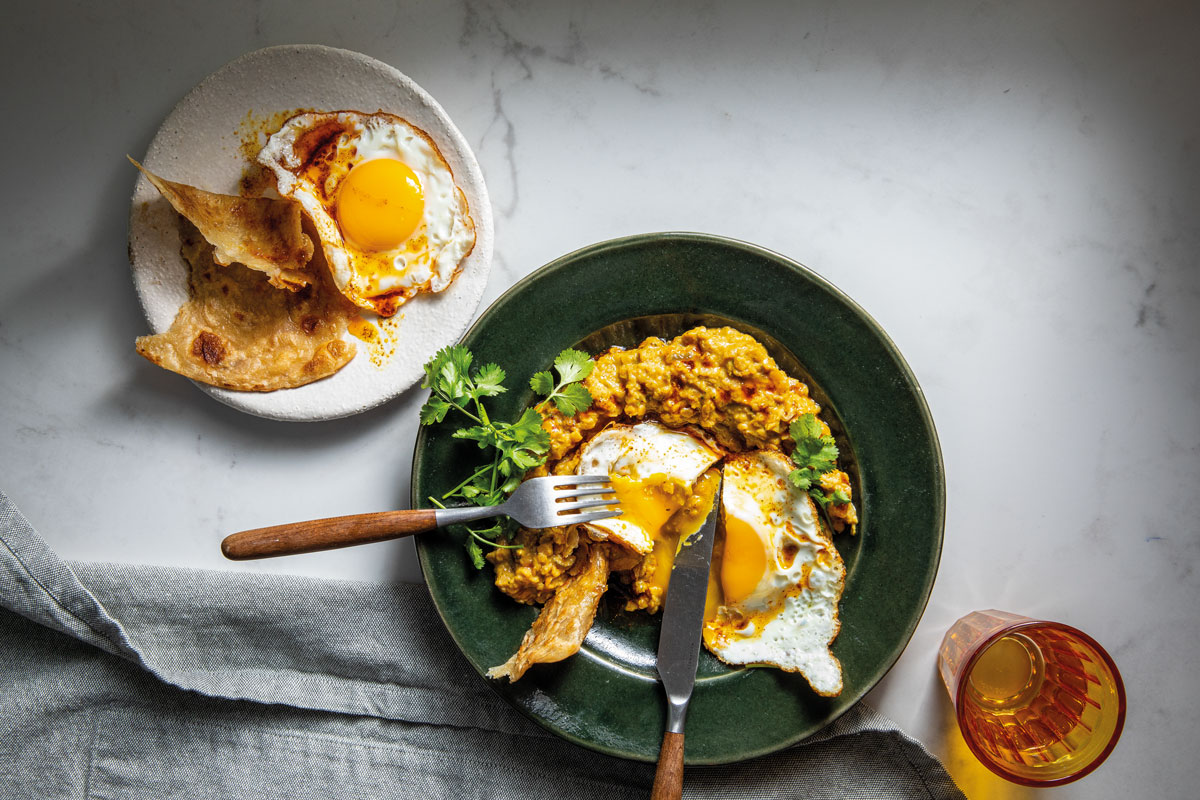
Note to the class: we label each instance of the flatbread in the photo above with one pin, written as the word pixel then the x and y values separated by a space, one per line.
pixel 262 233
pixel 238 331
pixel 564 621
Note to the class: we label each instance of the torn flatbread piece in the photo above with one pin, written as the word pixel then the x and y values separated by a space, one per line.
pixel 262 233
pixel 237 331
pixel 564 621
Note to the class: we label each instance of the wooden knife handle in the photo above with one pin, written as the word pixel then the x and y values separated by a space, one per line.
pixel 326 534
pixel 668 778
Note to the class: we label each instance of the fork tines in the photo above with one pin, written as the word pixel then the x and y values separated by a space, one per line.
pixel 589 490
pixel 558 481
pixel 600 501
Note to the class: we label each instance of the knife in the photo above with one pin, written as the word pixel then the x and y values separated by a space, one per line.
pixel 679 646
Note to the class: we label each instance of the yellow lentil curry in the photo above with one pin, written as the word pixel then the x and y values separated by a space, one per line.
pixel 719 380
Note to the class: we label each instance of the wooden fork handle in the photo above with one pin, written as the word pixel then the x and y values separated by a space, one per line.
pixel 668 778
pixel 326 534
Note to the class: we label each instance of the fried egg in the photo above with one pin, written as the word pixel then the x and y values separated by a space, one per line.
pixel 653 471
pixel 382 199
pixel 776 578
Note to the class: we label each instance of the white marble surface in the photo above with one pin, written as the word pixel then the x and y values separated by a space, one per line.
pixel 1011 189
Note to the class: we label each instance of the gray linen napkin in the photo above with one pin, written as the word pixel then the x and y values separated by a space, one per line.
pixel 145 682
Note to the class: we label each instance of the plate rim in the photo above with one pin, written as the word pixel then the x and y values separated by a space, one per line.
pixel 939 475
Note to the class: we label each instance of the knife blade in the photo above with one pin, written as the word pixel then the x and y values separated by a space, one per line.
pixel 679 645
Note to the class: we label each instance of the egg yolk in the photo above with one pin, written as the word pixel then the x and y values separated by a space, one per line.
pixel 649 504
pixel 743 561
pixel 380 203
pixel 668 510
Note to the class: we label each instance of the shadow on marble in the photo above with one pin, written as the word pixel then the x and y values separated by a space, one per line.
pixel 149 391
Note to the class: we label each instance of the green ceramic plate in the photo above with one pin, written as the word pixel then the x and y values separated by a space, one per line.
pixel 607 696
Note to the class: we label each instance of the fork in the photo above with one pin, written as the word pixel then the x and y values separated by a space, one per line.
pixel 536 503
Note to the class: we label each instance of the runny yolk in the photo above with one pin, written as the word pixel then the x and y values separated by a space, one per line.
pixel 668 510
pixel 666 545
pixel 380 203
pixel 743 560
pixel 649 505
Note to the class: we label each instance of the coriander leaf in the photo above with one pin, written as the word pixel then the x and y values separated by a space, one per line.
pixel 814 450
pixel 542 383
pixel 824 459
pixel 573 399
pixel 524 460
pixel 479 433
pixel 805 427
pixel 528 430
pixel 568 395
pixel 487 533
pixel 815 454
pixel 461 358
pixel 434 410
pixel 488 380
pixel 451 381
pixel 800 478
pixel 828 457
pixel 840 496
pixel 433 367
pixel 475 552
pixel 446 373
pixel 573 365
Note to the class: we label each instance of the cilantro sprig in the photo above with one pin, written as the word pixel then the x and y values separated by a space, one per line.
pixel 569 395
pixel 816 453
pixel 517 446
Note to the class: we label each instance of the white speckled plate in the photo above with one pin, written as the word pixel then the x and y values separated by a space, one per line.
pixel 200 144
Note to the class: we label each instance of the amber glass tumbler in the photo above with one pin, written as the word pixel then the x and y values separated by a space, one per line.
pixel 1039 703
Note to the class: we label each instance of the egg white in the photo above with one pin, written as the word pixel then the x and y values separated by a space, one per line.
pixel 641 452
pixel 443 239
pixel 790 618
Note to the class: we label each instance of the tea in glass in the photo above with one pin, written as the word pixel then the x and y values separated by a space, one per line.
pixel 1039 703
